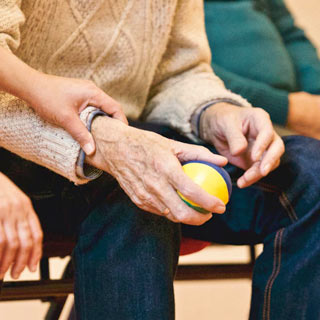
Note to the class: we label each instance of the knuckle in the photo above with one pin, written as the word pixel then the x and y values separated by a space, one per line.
pixel 141 194
pixel 187 191
pixel 202 149
pixel 17 204
pixel 136 200
pixel 4 206
pixel 26 244
pixel 262 112
pixel 89 83
pixel 38 237
pixel 65 118
pixel 3 242
pixel 13 244
pixel 26 202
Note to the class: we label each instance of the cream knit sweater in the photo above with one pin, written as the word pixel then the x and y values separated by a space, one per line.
pixel 150 55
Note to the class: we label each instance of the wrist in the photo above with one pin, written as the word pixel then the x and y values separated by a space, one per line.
pixel 35 87
pixel 296 109
pixel 18 78
pixel 107 132
pixel 208 114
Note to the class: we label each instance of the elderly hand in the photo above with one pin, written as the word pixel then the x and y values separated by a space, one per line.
pixel 147 167
pixel 20 231
pixel 304 114
pixel 245 136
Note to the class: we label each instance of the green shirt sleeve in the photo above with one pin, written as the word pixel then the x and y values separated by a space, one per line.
pixel 301 50
pixel 259 94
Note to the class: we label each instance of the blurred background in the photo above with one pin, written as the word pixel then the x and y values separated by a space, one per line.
pixel 201 300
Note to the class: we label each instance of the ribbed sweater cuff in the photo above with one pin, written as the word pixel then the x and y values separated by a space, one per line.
pixel 84 170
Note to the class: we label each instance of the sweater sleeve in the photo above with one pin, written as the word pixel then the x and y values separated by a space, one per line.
pixel 259 94
pixel 21 130
pixel 184 80
pixel 301 50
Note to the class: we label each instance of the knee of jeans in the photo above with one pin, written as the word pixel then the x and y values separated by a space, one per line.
pixel 117 223
pixel 299 173
pixel 302 156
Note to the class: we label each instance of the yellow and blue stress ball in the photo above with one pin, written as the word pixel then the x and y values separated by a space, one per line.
pixel 212 178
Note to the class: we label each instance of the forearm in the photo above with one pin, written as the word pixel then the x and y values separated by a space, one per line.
pixel 16 77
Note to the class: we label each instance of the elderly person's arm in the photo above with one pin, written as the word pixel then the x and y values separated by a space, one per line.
pixel 20 230
pixel 24 132
pixel 185 83
pixel 146 164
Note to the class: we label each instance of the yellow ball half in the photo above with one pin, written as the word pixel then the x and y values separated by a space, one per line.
pixel 212 178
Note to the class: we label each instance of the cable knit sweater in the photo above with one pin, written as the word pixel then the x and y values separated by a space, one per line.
pixel 151 56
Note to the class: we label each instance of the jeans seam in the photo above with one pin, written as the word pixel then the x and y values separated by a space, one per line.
pixel 274 274
pixel 284 201
pixel 288 207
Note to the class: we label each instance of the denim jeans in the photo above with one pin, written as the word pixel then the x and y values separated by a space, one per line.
pixel 125 259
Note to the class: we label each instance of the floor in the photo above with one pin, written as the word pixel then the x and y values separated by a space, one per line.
pixel 201 300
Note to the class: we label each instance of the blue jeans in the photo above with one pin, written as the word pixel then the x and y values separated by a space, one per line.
pixel 125 259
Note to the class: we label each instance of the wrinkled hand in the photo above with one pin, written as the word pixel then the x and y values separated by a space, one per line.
pixel 60 100
pixel 304 114
pixel 147 167
pixel 20 231
pixel 245 136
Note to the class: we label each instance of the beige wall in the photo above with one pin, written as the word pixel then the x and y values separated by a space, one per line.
pixel 307 14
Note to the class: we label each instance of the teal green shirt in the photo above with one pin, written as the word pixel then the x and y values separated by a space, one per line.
pixel 260 54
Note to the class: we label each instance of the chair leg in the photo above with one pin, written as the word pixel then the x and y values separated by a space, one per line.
pixel 56 305
pixel 72 315
pixel 55 309
pixel 253 254
pixel 44 269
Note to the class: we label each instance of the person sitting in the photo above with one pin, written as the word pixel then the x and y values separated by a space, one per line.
pixel 154 60
pixel 260 53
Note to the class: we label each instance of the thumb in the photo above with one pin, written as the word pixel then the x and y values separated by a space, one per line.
pixel 81 134
pixel 236 140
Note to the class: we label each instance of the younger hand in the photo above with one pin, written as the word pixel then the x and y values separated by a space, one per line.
pixel 57 100
pixel 245 136
pixel 20 231
pixel 60 100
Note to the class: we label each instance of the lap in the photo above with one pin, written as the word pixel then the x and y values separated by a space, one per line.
pixel 251 214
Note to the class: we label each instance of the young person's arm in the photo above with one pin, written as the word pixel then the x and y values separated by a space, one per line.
pixel 40 99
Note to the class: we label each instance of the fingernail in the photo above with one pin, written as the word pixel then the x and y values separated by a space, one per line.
pixel 15 275
pixel 240 183
pixel 221 209
pixel 33 268
pixel 266 169
pixel 88 149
